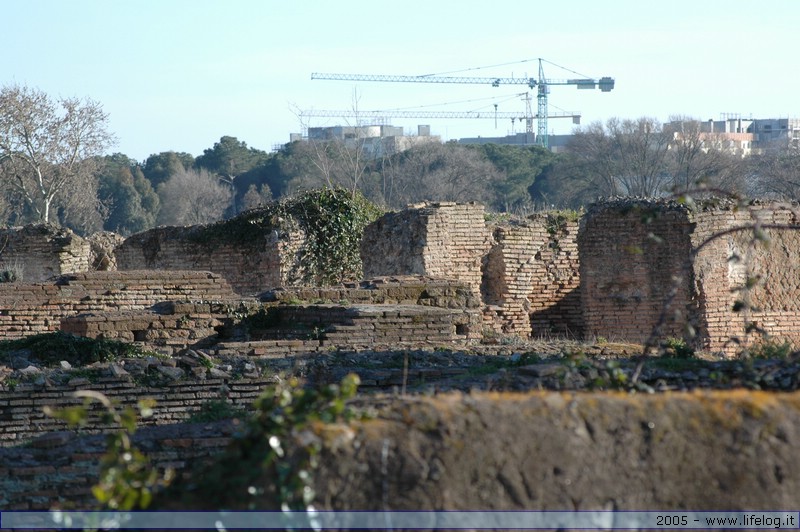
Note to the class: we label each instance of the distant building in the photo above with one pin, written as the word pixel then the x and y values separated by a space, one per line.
pixel 558 143
pixel 741 136
pixel 772 130
pixel 519 139
pixel 376 141
pixel 744 136
pixel 730 134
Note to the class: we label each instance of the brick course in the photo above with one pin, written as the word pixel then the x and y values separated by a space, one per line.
pixel 250 266
pixel 632 252
pixel 27 309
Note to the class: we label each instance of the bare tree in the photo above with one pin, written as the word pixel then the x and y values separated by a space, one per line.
pixel 193 197
pixel 255 197
pixel 624 157
pixel 640 147
pixel 48 149
pixel 699 158
pixel 339 159
pixel 440 172
pixel 775 172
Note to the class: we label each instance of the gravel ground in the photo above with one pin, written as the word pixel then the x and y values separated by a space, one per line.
pixel 535 365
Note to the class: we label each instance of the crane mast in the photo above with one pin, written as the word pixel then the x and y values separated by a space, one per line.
pixel 542 85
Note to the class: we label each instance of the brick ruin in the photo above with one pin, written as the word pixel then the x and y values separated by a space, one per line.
pixel 250 265
pixel 637 255
pixel 38 252
pixel 605 275
pixel 445 240
pixel 34 308
pixel 437 274
pixel 525 272
pixel 530 282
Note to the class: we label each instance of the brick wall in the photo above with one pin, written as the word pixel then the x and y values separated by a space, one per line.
pixel 59 469
pixel 27 309
pixel 724 265
pixel 22 416
pixel 249 265
pixel 39 252
pixel 445 240
pixel 632 250
pixel 396 289
pixel 526 273
pixel 629 253
pixel 531 279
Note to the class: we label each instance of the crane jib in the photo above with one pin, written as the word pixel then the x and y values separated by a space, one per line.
pixel 605 83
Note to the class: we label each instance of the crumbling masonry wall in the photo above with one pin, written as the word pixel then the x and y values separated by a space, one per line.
pixel 526 273
pixel 636 450
pixel 35 253
pixel 637 255
pixel 629 254
pixel 250 265
pixel 30 308
pixel 444 239
pixel 743 262
pixel 531 278
pixel 176 401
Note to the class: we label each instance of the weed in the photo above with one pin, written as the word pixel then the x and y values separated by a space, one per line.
pixel 275 456
pixel 769 349
pixel 556 221
pixel 216 410
pixel 11 272
pixel 677 348
pixel 127 478
pixel 51 348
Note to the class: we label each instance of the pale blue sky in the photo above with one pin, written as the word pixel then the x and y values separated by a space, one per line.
pixel 179 74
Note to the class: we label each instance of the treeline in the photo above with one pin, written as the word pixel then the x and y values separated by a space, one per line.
pixel 639 157
pixel 54 167
pixel 172 188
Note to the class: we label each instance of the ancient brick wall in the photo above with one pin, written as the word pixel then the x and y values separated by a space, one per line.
pixel 767 260
pixel 446 240
pixel 38 252
pixel 393 290
pixel 629 253
pixel 526 273
pixel 531 278
pixel 632 251
pixel 27 309
pixel 251 265
pixel 22 416
pixel 59 469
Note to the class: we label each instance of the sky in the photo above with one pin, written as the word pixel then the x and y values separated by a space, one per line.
pixel 176 75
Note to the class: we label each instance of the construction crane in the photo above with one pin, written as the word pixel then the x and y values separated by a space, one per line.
pixel 541 84
pixel 378 115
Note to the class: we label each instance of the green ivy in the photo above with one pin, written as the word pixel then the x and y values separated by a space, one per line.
pixel 334 222
pixel 332 219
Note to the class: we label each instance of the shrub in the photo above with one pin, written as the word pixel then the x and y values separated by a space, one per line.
pixel 51 348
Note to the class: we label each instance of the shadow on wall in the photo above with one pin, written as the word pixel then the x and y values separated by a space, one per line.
pixel 563 318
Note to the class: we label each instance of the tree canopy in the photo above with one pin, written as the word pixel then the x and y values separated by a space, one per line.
pixel 48 150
